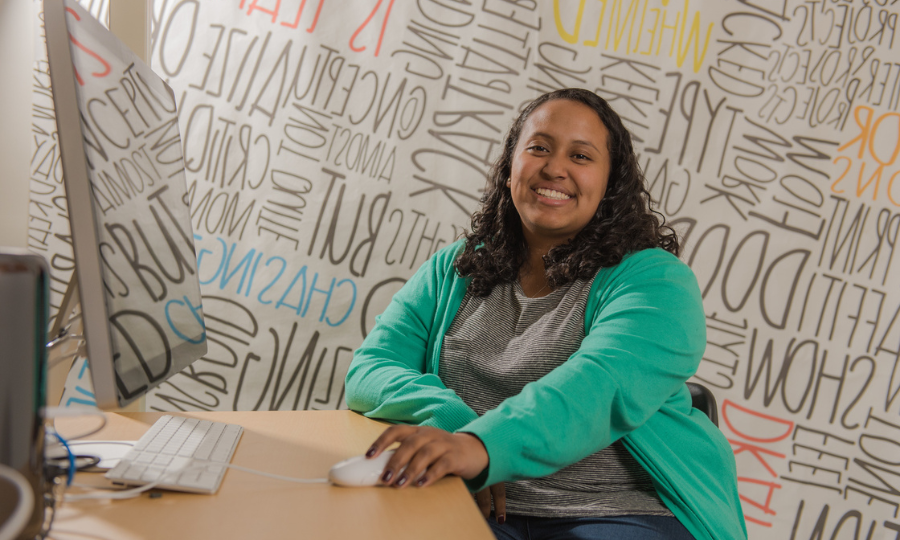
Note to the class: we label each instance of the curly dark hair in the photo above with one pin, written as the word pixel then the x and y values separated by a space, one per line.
pixel 624 222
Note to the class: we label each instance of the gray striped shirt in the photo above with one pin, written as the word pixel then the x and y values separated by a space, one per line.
pixel 498 344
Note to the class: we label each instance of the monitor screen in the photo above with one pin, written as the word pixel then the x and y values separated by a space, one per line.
pixel 128 208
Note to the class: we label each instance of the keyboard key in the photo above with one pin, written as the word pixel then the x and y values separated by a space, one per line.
pixel 152 474
pixel 119 470
pixel 134 472
pixel 199 482
pixel 222 452
pixel 194 439
pixel 152 432
pixel 209 442
pixel 180 463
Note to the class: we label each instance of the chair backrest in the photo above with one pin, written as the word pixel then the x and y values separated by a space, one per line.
pixel 702 398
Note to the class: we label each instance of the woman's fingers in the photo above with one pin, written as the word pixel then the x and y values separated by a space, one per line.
pixel 415 455
pixel 417 451
pixel 498 493
pixel 388 437
pixel 427 454
pixel 483 498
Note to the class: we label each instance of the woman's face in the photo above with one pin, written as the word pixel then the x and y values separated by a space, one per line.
pixel 560 169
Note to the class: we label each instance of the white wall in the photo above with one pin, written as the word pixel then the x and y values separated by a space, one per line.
pixel 16 52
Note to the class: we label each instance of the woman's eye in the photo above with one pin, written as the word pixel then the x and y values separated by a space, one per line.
pixel 580 156
pixel 537 148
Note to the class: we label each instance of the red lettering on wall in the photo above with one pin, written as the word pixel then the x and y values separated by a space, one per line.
pixel 106 67
pixel 728 404
pixel 366 23
pixel 755 430
pixel 274 11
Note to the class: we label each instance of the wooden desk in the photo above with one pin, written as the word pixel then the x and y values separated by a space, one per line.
pixel 302 444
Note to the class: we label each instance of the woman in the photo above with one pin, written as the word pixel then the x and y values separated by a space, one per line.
pixel 549 349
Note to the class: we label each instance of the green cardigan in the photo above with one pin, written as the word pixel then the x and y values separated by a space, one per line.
pixel 645 333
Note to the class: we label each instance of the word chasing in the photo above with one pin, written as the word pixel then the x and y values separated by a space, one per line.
pixel 221 268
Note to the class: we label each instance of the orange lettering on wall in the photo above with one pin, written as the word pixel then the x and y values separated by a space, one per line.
pixel 879 141
pixel 864 129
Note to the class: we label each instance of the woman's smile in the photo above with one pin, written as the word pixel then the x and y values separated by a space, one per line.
pixel 552 194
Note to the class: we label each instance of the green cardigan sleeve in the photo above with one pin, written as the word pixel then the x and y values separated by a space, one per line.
pixel 393 374
pixel 645 335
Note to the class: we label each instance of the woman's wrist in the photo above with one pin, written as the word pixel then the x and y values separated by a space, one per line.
pixel 477 458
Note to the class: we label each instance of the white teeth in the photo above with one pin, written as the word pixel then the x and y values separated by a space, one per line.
pixel 551 194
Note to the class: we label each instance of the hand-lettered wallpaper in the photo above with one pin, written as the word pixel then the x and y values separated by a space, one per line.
pixel 331 147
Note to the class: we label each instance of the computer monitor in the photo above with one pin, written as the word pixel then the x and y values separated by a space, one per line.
pixel 125 189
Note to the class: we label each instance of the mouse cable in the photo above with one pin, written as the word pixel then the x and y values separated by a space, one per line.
pixel 276 476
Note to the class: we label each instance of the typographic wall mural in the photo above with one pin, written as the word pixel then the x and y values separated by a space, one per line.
pixel 331 147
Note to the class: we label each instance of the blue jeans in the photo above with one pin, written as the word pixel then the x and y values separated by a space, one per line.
pixel 609 528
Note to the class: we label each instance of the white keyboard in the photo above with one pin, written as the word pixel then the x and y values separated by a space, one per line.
pixel 183 454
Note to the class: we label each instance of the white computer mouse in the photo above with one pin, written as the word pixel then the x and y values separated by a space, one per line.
pixel 359 471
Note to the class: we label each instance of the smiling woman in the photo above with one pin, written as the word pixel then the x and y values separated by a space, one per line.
pixel 544 357
pixel 573 144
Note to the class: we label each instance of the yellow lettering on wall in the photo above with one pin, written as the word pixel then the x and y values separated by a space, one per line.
pixel 693 37
pixel 596 40
pixel 557 16
pixel 629 29
pixel 616 19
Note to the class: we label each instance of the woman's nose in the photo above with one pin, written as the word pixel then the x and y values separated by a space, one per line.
pixel 555 166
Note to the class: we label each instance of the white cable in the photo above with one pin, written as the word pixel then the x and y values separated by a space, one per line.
pixel 93 441
pixel 19 519
pixel 57 412
pixel 120 494
pixel 276 476
pixel 196 464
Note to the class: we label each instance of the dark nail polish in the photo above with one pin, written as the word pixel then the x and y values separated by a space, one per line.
pixel 387 476
pixel 401 480
pixel 421 481
pixel 501 519
pixel 371 452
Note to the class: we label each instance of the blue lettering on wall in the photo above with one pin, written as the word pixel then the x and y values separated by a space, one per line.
pixel 294 290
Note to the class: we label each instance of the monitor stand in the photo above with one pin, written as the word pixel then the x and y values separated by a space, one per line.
pixel 64 343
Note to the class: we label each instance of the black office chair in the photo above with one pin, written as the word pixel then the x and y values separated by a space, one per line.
pixel 702 398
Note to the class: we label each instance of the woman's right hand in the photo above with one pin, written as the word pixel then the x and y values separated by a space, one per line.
pixel 497 492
